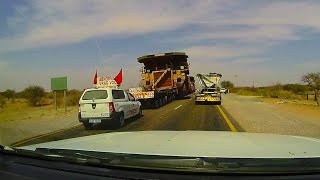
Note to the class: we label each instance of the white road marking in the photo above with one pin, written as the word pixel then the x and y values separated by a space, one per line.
pixel 177 107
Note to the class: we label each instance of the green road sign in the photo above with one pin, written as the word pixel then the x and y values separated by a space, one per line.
pixel 59 83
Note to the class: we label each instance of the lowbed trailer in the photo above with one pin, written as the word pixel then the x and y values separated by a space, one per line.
pixel 164 78
pixel 210 92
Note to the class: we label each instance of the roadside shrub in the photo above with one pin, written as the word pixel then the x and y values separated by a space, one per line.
pixel 295 88
pixel 3 102
pixel 227 84
pixel 8 93
pixel 20 95
pixel 34 95
pixel 13 100
pixel 73 97
pixel 285 94
pixel 50 95
pixel 247 92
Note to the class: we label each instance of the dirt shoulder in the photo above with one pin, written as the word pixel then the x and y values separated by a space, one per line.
pixel 302 109
pixel 257 114
pixel 19 121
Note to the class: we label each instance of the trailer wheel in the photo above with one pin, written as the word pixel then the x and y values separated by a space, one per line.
pixel 156 104
pixel 164 101
pixel 160 103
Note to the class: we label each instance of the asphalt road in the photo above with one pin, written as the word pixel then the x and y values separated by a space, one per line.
pixel 179 115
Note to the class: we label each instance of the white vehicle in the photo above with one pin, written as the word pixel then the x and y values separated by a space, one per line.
pixel 224 90
pixel 98 105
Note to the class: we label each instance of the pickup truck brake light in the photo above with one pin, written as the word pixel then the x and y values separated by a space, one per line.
pixel 111 107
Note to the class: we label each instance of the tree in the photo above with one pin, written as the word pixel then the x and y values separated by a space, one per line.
pixel 2 102
pixel 73 97
pixel 9 94
pixel 34 95
pixel 295 88
pixel 227 84
pixel 313 80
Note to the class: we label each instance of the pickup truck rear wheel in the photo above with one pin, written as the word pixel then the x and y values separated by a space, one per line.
pixel 120 120
pixel 140 112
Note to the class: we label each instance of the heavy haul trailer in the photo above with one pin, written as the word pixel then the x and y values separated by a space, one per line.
pixel 164 78
pixel 210 92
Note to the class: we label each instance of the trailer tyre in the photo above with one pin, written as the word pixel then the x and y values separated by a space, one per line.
pixel 164 101
pixel 156 104
pixel 160 103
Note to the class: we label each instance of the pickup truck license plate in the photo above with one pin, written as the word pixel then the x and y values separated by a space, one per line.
pixel 94 120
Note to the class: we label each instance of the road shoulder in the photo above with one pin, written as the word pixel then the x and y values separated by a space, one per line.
pixel 253 114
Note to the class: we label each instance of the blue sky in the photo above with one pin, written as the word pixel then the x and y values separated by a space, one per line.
pixel 265 41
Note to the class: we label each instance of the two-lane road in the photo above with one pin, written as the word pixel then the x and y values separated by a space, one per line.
pixel 179 115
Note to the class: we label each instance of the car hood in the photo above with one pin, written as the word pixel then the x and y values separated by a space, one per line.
pixel 193 144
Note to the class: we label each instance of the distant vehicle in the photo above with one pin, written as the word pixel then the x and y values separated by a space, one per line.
pixel 224 90
pixel 210 92
pixel 164 77
pixel 102 104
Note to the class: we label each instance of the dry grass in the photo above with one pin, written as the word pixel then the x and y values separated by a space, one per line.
pixel 306 108
pixel 20 110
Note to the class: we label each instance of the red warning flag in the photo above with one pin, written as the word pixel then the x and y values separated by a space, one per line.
pixel 95 79
pixel 118 78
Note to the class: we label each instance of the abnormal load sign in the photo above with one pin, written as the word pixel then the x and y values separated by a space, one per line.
pixel 106 82
pixel 138 94
pixel 144 95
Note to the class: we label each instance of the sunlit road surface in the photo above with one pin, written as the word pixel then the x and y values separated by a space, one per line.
pixel 179 115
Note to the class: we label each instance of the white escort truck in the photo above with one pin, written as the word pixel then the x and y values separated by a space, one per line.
pixel 210 92
pixel 106 102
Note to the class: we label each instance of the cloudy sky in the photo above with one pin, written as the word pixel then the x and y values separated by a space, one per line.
pixel 263 41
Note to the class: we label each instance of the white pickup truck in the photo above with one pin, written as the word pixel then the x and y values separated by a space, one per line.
pixel 98 105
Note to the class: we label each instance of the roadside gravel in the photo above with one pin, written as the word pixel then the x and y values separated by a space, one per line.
pixel 18 130
pixel 255 115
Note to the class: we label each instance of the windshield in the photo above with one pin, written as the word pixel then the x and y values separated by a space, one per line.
pixel 95 94
pixel 174 78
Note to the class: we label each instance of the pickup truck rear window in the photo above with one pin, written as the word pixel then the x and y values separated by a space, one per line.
pixel 95 94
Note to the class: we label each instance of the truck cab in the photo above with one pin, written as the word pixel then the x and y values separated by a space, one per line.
pixel 99 105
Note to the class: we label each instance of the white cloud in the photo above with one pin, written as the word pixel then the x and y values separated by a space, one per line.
pixel 216 53
pixel 267 34
pixel 51 22
pixel 269 23
pixel 249 29
pixel 250 60
pixel 44 23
